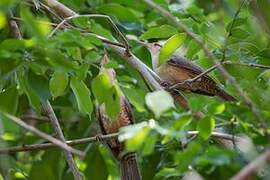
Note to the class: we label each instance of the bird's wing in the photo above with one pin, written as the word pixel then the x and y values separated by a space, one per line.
pixel 188 65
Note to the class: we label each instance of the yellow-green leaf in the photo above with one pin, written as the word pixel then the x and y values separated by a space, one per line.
pixel 170 46
pixel 206 126
pixel 82 95
pixel 58 83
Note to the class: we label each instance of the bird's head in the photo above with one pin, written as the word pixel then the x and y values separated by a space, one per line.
pixel 154 49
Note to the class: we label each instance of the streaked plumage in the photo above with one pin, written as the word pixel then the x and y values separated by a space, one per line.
pixel 178 69
pixel 127 160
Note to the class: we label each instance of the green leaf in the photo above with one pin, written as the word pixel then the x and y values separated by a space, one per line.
pixel 159 102
pixel 136 98
pixel 95 164
pixel 206 126
pixel 263 8
pixel 40 85
pixel 128 132
pixel 58 83
pixel 35 28
pixel 239 33
pixel 163 31
pixel 149 143
pixel 9 104
pixel 112 104
pixel 50 165
pixel 15 44
pixel 101 86
pixel 170 46
pixel 3 20
pixel 185 158
pixel 216 108
pixel 25 87
pixel 182 121
pixel 138 139
pixel 193 48
pixel 121 12
pixel 83 96
pixel 235 23
pixel 107 93
pixel 9 100
pixel 99 30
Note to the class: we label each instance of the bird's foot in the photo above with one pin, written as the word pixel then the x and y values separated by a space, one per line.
pixel 99 138
pixel 166 86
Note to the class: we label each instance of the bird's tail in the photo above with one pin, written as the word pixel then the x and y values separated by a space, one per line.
pixel 129 167
pixel 225 96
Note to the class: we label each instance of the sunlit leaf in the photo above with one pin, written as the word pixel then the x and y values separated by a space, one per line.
pixel 101 86
pixel 163 31
pixel 123 13
pixel 138 139
pixel 3 20
pixel 216 108
pixel 159 102
pixel 83 95
pixel 170 46
pixel 107 92
pixel 206 126
pixel 58 83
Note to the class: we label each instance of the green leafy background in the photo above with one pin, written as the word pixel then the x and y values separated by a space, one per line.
pixel 65 70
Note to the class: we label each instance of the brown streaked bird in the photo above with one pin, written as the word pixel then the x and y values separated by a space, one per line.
pixel 178 69
pixel 127 160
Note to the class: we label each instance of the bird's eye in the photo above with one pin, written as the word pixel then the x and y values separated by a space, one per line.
pixel 156 44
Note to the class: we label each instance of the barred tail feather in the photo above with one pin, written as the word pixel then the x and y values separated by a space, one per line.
pixel 225 96
pixel 129 167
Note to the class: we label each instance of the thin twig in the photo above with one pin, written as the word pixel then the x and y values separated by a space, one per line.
pixel 38 118
pixel 229 33
pixel 51 115
pixel 16 33
pixel 250 170
pixel 189 81
pixel 82 141
pixel 43 135
pixel 215 135
pixel 144 70
pixel 261 66
pixel 60 8
pixel 139 66
pixel 211 57
pixel 115 28
pixel 105 40
pixel 45 146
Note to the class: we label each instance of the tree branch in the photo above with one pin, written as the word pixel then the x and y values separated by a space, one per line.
pixel 51 115
pixel 107 41
pixel 166 14
pixel 45 146
pixel 97 138
pixel 41 134
pixel 115 28
pixel 250 170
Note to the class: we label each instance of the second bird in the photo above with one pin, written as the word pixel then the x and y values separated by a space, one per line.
pixel 178 69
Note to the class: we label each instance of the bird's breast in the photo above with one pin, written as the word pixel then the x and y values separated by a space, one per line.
pixel 172 74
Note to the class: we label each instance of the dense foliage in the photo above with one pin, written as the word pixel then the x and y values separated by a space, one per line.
pixel 63 67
